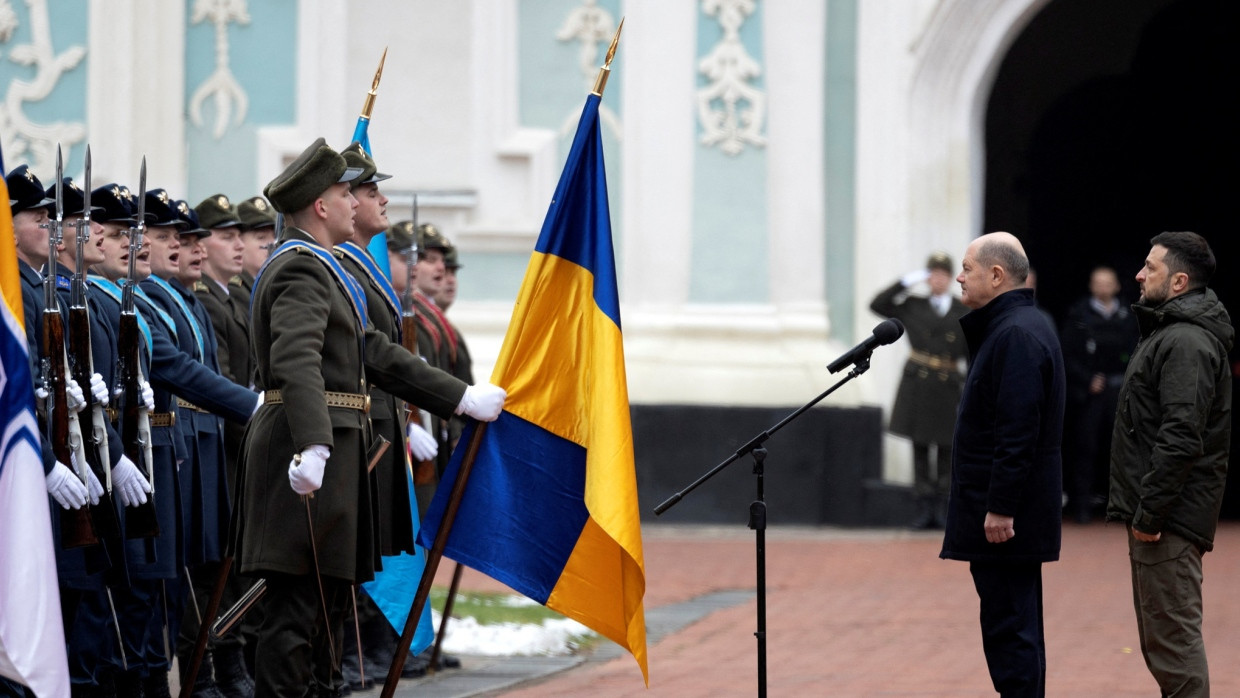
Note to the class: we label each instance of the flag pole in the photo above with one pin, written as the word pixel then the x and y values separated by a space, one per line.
pixel 435 554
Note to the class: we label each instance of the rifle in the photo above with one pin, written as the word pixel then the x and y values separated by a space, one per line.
pixel 66 436
pixel 423 471
pixel 140 521
pixel 82 365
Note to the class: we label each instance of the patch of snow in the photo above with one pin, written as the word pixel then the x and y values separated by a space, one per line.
pixel 551 637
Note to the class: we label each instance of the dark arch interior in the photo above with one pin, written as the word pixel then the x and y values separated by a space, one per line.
pixel 1111 121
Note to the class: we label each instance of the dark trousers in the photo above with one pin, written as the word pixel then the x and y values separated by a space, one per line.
pixel 292 658
pixel 142 612
pixel 933 482
pixel 1091 446
pixel 1166 591
pixel 1012 634
pixel 90 637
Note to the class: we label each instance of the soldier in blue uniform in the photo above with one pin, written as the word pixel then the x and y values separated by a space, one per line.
pixel 144 608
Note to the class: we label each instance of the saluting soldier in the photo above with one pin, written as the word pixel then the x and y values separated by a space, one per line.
pixel 317 355
pixel 925 407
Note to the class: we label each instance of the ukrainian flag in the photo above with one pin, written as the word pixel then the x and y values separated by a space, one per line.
pixel 551 505
pixel 32 640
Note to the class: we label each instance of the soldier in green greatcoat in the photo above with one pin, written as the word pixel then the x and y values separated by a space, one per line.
pixel 308 521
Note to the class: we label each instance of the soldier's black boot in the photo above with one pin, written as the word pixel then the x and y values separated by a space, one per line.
pixel 231 676
pixel 925 514
pixel 129 684
pixel 155 685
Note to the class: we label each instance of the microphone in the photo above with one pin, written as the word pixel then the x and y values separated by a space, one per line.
pixel 885 333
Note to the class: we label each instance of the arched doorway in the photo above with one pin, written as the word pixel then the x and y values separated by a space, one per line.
pixel 1109 122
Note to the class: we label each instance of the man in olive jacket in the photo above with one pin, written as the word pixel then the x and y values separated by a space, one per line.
pixel 1169 454
pixel 307 520
pixel 1003 516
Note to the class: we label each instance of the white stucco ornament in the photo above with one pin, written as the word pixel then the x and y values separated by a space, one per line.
pixel 220 84
pixel 27 140
pixel 591 26
pixel 730 109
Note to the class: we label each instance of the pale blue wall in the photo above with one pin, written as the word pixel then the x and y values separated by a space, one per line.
pixel 840 138
pixel 67 102
pixel 262 58
pixel 551 92
pixel 729 255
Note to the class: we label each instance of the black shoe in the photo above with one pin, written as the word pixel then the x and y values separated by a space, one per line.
pixel 415 666
pixel 156 684
pixel 129 684
pixel 449 661
pixel 231 676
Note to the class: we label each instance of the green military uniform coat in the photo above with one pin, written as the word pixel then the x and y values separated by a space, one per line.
pixel 307 342
pixel 387 418
pixel 925 407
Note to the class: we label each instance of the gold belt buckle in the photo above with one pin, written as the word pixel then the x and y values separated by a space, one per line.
pixel 366 403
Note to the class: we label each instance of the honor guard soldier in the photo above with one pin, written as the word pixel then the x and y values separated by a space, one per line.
pixel 156 564
pixel 258 236
pixel 925 407
pixel 317 356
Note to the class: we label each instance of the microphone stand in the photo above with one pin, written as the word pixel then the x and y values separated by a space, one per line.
pixel 757 508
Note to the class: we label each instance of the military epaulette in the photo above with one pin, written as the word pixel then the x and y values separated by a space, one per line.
pixel 201 287
pixel 236 281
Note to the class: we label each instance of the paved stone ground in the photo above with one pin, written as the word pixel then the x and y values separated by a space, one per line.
pixel 871 613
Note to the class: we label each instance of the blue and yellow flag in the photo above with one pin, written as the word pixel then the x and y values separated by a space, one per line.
pixel 32 641
pixel 551 504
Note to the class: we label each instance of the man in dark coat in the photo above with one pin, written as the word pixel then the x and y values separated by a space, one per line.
pixel 317 354
pixel 1169 454
pixel 1097 339
pixel 925 407
pixel 1004 512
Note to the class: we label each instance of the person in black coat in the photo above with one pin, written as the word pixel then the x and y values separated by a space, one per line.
pixel 1004 512
pixel 1098 338
pixel 925 406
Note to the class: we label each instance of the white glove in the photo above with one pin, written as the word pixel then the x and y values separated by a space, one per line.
pixel 307 476
pixel 73 395
pixel 148 396
pixel 258 403
pixel 98 389
pixel 129 483
pixel 483 402
pixel 65 487
pixel 421 444
pixel 40 394
pixel 93 487
pixel 915 277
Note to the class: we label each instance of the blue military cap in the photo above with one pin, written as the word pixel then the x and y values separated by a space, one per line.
pixel 75 198
pixel 190 224
pixel 160 209
pixel 114 200
pixel 26 191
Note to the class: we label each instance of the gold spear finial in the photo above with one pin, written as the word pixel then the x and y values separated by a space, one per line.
pixel 374 87
pixel 600 82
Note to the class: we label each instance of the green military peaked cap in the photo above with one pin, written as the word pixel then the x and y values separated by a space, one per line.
pixel 356 157
pixel 400 237
pixel 255 213
pixel 429 238
pixel 216 211
pixel 940 260
pixel 317 168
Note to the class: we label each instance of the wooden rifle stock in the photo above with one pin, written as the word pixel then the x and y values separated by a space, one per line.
pixel 104 517
pixel 140 521
pixel 76 529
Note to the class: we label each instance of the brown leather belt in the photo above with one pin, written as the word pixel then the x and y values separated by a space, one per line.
pixel 156 419
pixel 350 401
pixel 187 405
pixel 934 362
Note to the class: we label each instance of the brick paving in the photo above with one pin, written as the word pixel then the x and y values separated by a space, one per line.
pixel 876 613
